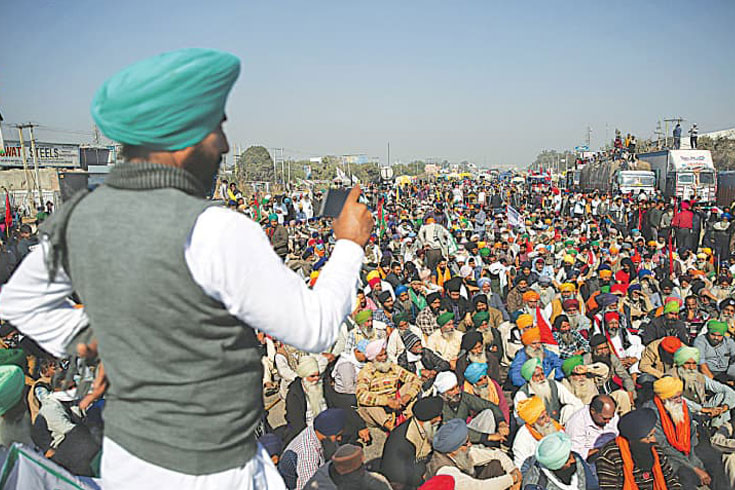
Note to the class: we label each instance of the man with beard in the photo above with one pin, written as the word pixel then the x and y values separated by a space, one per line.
pixel 693 317
pixel 537 425
pixel 404 304
pixel 717 353
pixel 571 342
pixel 447 341
pixel 491 298
pixel 421 361
pixel 658 357
pixel 311 448
pixel 540 318
pixel 396 346
pixel 533 348
pixel 455 455
pixel 472 350
pixel 384 314
pixel 636 306
pixel 346 471
pixel 545 290
pixel 408 446
pixel 666 325
pixel 626 346
pixel 426 319
pixel 695 464
pixel 618 383
pixel 567 291
pixel 634 459
pixel 364 330
pixel 704 395
pixel 727 314
pixel 580 377
pixel 416 293
pixel 394 276
pixel 560 403
pixel 557 467
pixel 305 398
pixel 477 382
pixel 578 321
pixel 462 405
pixel 514 301
pixel 491 339
pixel 495 316
pixel 593 426
pixel 384 389
pixel 454 303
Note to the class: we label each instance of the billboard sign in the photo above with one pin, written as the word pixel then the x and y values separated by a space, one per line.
pixel 48 154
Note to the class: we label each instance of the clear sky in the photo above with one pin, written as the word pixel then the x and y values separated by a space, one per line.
pixel 485 81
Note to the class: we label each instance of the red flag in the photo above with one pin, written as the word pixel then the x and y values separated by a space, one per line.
pixel 671 248
pixel 546 336
pixel 8 214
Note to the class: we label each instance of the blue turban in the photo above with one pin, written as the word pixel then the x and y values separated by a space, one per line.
pixel 272 443
pixel 475 371
pixel 167 102
pixel 330 422
pixel 633 288
pixel 482 281
pixel 553 450
pixel 644 273
pixel 400 289
pixel 450 436
pixel 362 345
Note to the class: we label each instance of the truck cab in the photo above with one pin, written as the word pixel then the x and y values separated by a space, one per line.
pixel 635 181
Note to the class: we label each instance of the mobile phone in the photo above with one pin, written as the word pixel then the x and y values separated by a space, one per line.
pixel 334 202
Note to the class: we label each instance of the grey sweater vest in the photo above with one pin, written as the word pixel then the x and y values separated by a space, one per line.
pixel 185 375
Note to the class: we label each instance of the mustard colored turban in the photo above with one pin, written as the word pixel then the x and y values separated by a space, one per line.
pixel 667 387
pixel 531 409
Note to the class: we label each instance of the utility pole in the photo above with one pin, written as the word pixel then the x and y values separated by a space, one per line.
pixel 35 165
pixel 388 162
pixel 589 137
pixel 29 197
pixel 677 120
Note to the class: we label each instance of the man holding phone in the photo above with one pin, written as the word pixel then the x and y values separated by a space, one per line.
pixel 175 294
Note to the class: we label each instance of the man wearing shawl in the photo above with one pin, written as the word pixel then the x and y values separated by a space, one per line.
pixel 634 460
pixel 676 432
pixel 447 341
pixel 201 297
pixel 426 319
pixel 560 403
pixel 536 424
pixel 556 467
pixel 618 382
pixel 533 348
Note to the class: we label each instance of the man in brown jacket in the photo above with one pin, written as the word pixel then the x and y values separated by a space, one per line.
pixel 658 357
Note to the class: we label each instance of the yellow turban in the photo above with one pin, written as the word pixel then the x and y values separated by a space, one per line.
pixel 567 287
pixel 667 387
pixel 530 335
pixel 524 321
pixel 530 296
pixel 605 274
pixel 371 274
pixel 531 409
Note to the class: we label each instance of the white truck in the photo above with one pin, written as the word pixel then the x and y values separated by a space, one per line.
pixel 617 177
pixel 685 174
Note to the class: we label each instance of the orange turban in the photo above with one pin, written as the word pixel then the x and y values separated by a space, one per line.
pixel 670 344
pixel 530 296
pixel 530 335
pixel 524 321
pixel 605 274
pixel 567 287
pixel 667 387
pixel 531 409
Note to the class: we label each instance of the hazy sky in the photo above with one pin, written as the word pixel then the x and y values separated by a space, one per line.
pixel 484 81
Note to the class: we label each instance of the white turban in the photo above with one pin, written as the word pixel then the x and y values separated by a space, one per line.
pixel 445 381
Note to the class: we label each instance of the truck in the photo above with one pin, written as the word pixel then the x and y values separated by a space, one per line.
pixel 684 174
pixel 617 177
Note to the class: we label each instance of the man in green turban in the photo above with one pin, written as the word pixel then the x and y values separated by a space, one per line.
pixel 446 341
pixel 705 395
pixel 168 280
pixel 15 420
pixel 716 347
pixel 560 403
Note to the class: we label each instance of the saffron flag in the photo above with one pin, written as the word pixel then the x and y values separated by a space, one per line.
pixel 8 215
pixel 381 219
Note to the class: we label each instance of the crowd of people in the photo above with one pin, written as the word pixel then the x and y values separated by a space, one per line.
pixel 497 337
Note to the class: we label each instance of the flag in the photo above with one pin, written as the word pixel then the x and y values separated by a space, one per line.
pixel 514 218
pixel 8 215
pixel 671 233
pixel 381 219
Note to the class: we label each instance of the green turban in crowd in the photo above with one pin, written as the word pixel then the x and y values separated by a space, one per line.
pixel 684 353
pixel 363 316
pixel 399 317
pixel 716 326
pixel 12 383
pixel 484 252
pixel 479 317
pixel 568 243
pixel 529 367
pixel 553 450
pixel 605 289
pixel 570 363
pixel 273 217
pixel 168 102
pixel 595 243
pixel 444 318
pixel 15 357
pixel 671 307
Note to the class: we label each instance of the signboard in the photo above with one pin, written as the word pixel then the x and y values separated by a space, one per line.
pixel 692 160
pixel 48 154
pixel 582 148
pixel 386 173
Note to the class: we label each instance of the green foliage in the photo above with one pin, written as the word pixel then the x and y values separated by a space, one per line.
pixel 255 163
pixel 723 151
pixel 552 158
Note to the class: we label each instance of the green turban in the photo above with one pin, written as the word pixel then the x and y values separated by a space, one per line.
pixel 363 316
pixel 595 243
pixel 605 289
pixel 15 357
pixel 400 317
pixel 568 243
pixel 484 252
pixel 479 317
pixel 12 383
pixel 168 102
pixel 716 326
pixel 444 318
pixel 570 363
pixel 529 367
pixel 671 307
pixel 684 353
pixel 273 217
pixel 553 450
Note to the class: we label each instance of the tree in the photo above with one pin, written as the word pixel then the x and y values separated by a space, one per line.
pixel 256 164
pixel 723 151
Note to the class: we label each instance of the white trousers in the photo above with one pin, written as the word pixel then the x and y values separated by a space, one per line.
pixel 122 470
